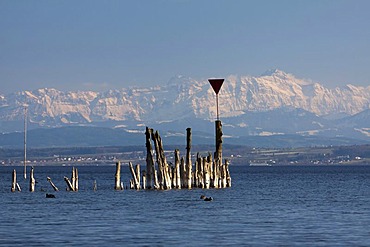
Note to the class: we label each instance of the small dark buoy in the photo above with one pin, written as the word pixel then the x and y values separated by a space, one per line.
pixel 208 199
pixel 50 196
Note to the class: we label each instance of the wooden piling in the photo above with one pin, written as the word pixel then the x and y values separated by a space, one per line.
pixel 223 176
pixel 14 181
pixel 228 177
pixel 177 170
pixel 134 183
pixel 201 172
pixel 18 187
pixel 117 185
pixel 209 172
pixel 163 171
pixel 165 166
pixel 138 176
pixel 32 180
pixel 149 159
pixel 218 153
pixel 188 158
pixel 52 184
pixel 156 184
pixel 158 160
pixel 73 178
pixel 182 172
pixel 69 184
pixel 144 179
pixel 75 185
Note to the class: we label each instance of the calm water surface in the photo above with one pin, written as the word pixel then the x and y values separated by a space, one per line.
pixel 266 206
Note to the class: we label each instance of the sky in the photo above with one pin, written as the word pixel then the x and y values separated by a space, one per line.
pixel 101 45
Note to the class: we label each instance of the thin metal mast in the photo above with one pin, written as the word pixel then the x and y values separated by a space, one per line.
pixel 25 142
pixel 216 85
pixel 218 116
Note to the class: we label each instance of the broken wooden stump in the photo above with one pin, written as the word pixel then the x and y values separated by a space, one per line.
pixel 32 180
pixel 52 184
pixel 75 184
pixel 15 185
pixel 18 187
pixel 150 168
pixel 72 185
pixel 14 181
pixel 144 179
pixel 218 153
pixel 69 184
pixel 207 173
pixel 118 185
pixel 164 179
pixel 189 166
pixel 177 173
pixel 228 177
pixel 135 182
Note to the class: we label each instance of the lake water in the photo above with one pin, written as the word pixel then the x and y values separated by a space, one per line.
pixel 266 206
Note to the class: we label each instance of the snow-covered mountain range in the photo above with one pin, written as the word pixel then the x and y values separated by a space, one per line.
pixel 248 105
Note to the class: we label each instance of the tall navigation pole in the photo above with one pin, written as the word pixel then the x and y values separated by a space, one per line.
pixel 25 142
pixel 216 85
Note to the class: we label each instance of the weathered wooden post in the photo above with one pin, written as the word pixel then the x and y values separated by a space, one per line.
pixel 223 176
pixel 32 180
pixel 189 168
pixel 228 177
pixel 73 178
pixel 117 185
pixel 166 168
pixel 196 170
pixel 52 184
pixel 173 176
pixel 201 172
pixel 144 179
pixel 138 176
pixel 69 184
pixel 75 185
pixel 183 172
pixel 159 160
pixel 177 170
pixel 14 181
pixel 134 182
pixel 206 171
pixel 214 171
pixel 18 187
pixel 149 159
pixel 220 170
pixel 218 153
pixel 156 184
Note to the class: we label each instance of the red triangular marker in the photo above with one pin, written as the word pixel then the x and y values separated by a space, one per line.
pixel 216 84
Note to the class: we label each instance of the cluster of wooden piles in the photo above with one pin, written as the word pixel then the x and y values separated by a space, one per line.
pixel 72 184
pixel 207 172
pixel 17 187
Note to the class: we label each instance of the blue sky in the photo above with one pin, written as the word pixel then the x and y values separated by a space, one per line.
pixel 97 45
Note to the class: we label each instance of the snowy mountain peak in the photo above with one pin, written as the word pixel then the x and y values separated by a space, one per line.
pixel 275 72
pixel 183 97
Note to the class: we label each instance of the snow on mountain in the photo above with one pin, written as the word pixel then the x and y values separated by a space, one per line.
pixel 184 98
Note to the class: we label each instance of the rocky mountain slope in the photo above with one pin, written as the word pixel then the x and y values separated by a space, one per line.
pixel 263 105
